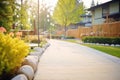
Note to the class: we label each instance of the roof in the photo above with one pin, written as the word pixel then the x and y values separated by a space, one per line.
pixel 103 4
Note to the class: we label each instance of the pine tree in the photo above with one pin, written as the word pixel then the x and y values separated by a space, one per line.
pixel 93 3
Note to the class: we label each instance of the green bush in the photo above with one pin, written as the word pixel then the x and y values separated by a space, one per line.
pixel 116 41
pixel 56 37
pixel 101 40
pixel 43 41
pixel 12 53
pixel 70 37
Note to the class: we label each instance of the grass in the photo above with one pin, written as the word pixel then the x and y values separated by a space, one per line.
pixel 31 50
pixel 111 50
pixel 71 40
pixel 115 51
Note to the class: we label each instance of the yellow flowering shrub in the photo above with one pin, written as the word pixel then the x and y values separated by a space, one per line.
pixel 12 53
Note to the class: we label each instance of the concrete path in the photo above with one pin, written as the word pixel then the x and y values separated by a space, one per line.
pixel 69 61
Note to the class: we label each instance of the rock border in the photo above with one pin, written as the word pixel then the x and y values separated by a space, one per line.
pixel 29 66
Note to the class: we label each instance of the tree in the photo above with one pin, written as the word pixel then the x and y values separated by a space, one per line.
pixel 43 17
pixel 93 3
pixel 33 14
pixel 24 23
pixel 6 13
pixel 67 12
pixel 16 14
pixel 12 13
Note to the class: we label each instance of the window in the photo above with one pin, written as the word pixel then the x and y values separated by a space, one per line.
pixel 105 10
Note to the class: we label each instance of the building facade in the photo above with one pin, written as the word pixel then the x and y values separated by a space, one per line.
pixel 106 12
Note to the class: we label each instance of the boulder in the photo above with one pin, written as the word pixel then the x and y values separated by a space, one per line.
pixel 43 49
pixel 31 61
pixel 45 46
pixel 20 77
pixel 38 49
pixel 36 54
pixel 48 44
pixel 27 70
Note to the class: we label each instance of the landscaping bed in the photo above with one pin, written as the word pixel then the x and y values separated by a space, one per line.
pixel 29 65
pixel 12 53
pixel 17 60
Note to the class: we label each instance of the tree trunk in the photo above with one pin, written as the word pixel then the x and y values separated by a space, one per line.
pixel 65 32
pixel 65 28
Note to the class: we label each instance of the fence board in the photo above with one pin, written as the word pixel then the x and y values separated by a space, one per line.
pixel 105 30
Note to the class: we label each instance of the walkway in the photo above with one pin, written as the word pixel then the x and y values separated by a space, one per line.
pixel 69 61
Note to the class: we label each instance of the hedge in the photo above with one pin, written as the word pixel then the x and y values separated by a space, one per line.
pixel 102 40
pixel 65 37
pixel 70 37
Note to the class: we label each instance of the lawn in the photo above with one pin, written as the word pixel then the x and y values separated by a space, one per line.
pixel 115 51
pixel 71 40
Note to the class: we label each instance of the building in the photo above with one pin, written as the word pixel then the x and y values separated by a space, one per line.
pixel 86 20
pixel 106 12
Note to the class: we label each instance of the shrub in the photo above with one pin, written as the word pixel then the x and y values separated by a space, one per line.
pixel 70 37
pixel 2 29
pixel 101 40
pixel 56 37
pixel 116 41
pixel 12 53
pixel 42 43
pixel 33 38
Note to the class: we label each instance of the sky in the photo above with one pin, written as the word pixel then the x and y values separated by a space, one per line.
pixel 52 3
pixel 87 3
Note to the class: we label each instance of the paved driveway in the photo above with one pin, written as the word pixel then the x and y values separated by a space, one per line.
pixel 69 61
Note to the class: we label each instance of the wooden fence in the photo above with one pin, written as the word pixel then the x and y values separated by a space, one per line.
pixel 105 30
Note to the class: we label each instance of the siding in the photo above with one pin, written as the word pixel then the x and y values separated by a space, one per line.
pixel 114 8
pixel 99 21
pixel 98 13
pixel 98 17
